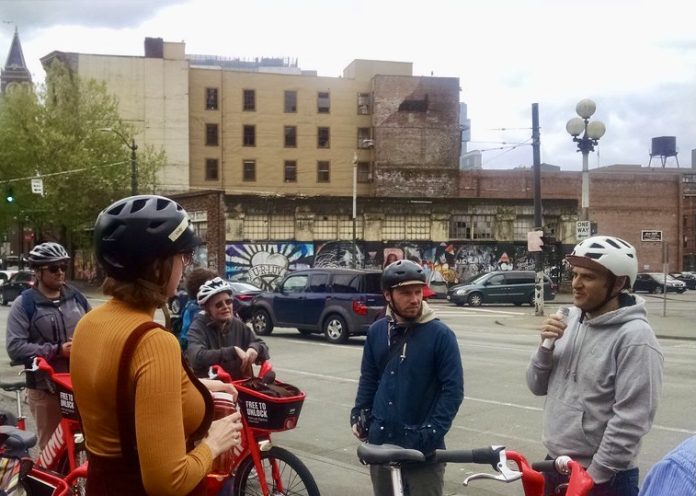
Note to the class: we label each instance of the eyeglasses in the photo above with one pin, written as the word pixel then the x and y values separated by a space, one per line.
pixel 53 269
pixel 223 303
pixel 187 258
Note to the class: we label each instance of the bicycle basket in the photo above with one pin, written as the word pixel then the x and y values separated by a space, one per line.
pixel 68 408
pixel 269 407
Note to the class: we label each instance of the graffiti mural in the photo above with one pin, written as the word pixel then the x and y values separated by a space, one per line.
pixel 446 263
pixel 262 264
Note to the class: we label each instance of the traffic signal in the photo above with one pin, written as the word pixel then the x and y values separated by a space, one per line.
pixel 9 195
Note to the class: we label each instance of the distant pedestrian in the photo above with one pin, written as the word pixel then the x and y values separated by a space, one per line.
pixel 41 323
pixel 602 371
pixel 411 381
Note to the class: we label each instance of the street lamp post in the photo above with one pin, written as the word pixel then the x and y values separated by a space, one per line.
pixel 133 158
pixel 355 212
pixel 591 132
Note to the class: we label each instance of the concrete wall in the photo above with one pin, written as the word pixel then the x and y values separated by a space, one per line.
pixel 153 96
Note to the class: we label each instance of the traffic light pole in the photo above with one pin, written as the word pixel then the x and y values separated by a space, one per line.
pixel 538 255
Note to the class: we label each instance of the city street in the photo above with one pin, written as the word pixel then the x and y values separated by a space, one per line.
pixel 496 343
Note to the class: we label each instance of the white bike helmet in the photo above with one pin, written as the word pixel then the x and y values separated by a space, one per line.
pixel 212 287
pixel 607 252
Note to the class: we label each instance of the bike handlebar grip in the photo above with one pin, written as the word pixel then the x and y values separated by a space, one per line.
pixel 482 456
pixel 545 466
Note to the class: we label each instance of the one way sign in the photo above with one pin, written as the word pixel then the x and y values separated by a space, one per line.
pixel 582 229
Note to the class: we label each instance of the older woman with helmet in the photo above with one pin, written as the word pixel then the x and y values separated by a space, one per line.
pixel 600 369
pixel 41 323
pixel 146 417
pixel 216 336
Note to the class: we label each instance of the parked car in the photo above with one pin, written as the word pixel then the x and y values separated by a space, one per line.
pixel 5 275
pixel 653 282
pixel 243 294
pixel 688 278
pixel 336 302
pixel 509 286
pixel 19 281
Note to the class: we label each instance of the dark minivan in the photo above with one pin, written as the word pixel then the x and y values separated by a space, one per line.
pixel 509 286
pixel 336 302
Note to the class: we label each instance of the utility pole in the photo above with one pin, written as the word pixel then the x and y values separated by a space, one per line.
pixel 538 255
pixel 134 167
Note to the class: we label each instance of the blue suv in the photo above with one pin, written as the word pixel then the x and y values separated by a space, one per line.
pixel 336 302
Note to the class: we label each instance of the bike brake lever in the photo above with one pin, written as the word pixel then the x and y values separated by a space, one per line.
pixel 506 473
pixel 34 367
pixel 507 476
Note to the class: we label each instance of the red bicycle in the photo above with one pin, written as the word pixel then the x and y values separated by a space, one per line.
pixel 532 478
pixel 64 457
pixel 257 467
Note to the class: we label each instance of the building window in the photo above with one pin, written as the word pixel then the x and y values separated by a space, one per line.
pixel 418 227
pixel 323 102
pixel 282 227
pixel 414 105
pixel 323 137
pixel 474 227
pixel 290 171
pixel 290 102
pixel 211 98
pixel 249 138
pixel 521 226
pixel 364 137
pixel 199 223
pixel 290 136
pixel 325 227
pixel 211 169
pixel 249 171
pixel 393 227
pixel 323 172
pixel 255 227
pixel 363 103
pixel 364 172
pixel 249 98
pixel 211 134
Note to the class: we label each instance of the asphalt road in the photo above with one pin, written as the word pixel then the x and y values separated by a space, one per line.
pixel 496 343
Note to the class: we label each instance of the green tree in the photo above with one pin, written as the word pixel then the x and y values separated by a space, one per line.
pixel 58 133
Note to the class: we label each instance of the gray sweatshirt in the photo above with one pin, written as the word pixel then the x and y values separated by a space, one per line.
pixel 602 382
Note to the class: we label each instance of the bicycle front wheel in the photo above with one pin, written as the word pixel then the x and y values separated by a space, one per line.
pixel 292 476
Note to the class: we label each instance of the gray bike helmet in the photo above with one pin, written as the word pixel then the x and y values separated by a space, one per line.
pixel 47 253
pixel 132 233
pixel 211 288
pixel 402 273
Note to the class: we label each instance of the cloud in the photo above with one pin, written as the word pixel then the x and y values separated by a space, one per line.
pixel 33 15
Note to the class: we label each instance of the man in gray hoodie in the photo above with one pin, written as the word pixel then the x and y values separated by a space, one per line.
pixel 600 369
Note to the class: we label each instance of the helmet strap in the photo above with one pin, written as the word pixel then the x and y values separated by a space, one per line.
pixel 408 322
pixel 610 295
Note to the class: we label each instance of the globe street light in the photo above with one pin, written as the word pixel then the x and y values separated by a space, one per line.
pixel 133 159
pixel 591 132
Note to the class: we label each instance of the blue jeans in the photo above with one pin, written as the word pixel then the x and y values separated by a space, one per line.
pixel 622 484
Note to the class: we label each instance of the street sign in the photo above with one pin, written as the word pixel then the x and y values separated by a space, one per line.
pixel 582 229
pixel 650 235
pixel 37 186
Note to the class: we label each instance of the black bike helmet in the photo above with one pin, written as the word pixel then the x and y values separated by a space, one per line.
pixel 402 273
pixel 47 253
pixel 133 232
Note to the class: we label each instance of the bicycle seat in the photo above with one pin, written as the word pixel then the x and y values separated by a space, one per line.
pixel 380 454
pixel 13 385
pixel 16 442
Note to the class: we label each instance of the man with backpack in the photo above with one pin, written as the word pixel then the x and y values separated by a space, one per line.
pixel 411 381
pixel 41 323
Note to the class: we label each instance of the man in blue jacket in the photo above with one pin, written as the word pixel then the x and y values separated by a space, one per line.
pixel 411 381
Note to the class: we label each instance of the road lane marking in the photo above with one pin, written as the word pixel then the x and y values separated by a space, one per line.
pixel 466 398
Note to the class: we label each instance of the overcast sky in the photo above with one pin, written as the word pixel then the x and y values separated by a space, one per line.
pixel 635 58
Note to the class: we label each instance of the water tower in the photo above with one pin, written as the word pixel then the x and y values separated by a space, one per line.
pixel 664 147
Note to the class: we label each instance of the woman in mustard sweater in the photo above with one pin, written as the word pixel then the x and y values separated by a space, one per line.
pixel 146 418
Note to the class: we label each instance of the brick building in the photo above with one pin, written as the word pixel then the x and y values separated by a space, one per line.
pixel 264 156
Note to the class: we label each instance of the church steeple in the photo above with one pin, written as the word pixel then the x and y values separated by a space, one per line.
pixel 15 70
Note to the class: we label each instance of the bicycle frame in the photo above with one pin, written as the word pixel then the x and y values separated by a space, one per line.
pixel 254 443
